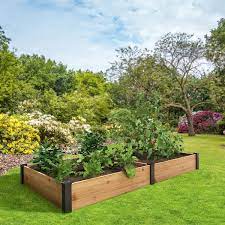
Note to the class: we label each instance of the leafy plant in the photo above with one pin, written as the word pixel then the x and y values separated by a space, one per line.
pixel 127 161
pixel 167 144
pixel 49 159
pixel 122 124
pixel 64 169
pixel 121 156
pixel 99 157
pixel 155 140
pixel 92 152
pixel 147 137
pixel 92 141
pixel 93 167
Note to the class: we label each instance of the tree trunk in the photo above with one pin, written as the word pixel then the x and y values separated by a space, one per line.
pixel 191 131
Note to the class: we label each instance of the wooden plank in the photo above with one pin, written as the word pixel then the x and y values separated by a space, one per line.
pixel 44 185
pixel 171 168
pixel 96 189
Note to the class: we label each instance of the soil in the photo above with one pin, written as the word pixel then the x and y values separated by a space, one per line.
pixel 80 178
pixel 144 160
pixel 8 161
pixel 107 171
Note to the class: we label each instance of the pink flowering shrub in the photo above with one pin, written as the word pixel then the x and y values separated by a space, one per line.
pixel 203 121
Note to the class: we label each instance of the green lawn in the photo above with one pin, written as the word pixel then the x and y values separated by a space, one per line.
pixel 193 198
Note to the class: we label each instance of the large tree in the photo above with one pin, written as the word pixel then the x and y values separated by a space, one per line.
pixel 182 56
pixel 44 74
pixel 137 75
pixel 4 41
pixel 126 59
pixel 215 45
pixel 12 88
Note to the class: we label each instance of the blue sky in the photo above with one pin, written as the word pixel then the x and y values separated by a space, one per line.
pixel 85 33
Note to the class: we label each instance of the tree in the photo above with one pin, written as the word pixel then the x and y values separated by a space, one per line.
pixel 127 59
pixel 89 83
pixel 215 46
pixel 182 56
pixel 12 88
pixel 4 41
pixel 217 90
pixel 85 96
pixel 142 83
pixel 44 74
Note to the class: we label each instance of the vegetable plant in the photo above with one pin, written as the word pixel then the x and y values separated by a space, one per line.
pixel 121 155
pixel 94 166
pixel 49 159
pixel 92 141
pixel 148 138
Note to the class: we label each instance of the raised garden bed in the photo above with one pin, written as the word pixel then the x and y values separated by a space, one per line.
pixel 163 170
pixel 70 195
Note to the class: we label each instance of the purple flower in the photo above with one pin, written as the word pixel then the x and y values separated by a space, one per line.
pixel 203 121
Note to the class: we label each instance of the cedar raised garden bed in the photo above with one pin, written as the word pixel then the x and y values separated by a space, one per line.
pixel 70 195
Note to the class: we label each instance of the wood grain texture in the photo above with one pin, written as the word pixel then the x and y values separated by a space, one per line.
pixel 44 185
pixel 96 189
pixel 171 168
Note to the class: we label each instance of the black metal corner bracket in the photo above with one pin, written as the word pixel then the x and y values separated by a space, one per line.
pixel 152 172
pixel 197 160
pixel 66 196
pixel 22 173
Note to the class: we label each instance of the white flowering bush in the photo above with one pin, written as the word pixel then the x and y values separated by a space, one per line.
pixel 63 134
pixel 51 129
pixel 27 106
pixel 78 125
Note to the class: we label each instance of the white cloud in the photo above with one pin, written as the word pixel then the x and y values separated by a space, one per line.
pixel 85 33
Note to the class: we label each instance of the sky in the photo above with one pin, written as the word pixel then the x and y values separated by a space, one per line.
pixel 85 33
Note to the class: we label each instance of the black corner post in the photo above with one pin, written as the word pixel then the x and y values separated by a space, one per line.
pixel 152 172
pixel 66 196
pixel 22 173
pixel 197 160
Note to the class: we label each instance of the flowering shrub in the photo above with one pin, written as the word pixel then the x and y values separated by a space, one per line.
pixel 16 136
pixel 78 125
pixel 203 121
pixel 57 132
pixel 51 129
pixel 27 106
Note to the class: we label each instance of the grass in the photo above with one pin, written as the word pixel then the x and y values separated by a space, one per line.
pixel 193 198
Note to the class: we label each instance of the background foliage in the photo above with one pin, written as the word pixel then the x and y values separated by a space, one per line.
pixel 139 82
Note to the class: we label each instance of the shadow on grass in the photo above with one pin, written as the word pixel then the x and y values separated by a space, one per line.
pixel 17 197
